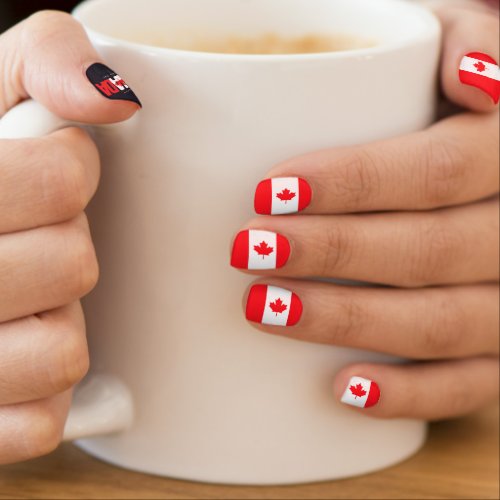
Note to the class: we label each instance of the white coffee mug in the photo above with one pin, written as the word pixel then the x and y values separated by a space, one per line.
pixel 191 390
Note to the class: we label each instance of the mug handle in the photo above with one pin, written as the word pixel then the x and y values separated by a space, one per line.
pixel 102 404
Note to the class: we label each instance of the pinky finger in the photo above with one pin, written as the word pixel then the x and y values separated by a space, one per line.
pixel 429 391
pixel 32 429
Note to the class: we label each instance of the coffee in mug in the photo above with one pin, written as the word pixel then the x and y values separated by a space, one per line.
pixel 266 43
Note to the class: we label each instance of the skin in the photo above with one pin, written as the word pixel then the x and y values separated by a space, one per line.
pixel 434 221
pixel 420 215
pixel 47 260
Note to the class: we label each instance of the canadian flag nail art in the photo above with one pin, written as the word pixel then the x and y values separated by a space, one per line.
pixel 271 305
pixel 255 249
pixel 109 84
pixel 481 71
pixel 361 392
pixel 282 195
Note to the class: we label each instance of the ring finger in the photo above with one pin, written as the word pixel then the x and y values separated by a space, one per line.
pixel 42 355
pixel 447 246
pixel 427 323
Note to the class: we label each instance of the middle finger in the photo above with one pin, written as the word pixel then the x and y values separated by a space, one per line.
pixel 447 246
pixel 45 268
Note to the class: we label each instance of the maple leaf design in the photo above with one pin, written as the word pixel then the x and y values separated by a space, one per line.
pixel 285 195
pixel 357 390
pixel 263 249
pixel 480 66
pixel 277 306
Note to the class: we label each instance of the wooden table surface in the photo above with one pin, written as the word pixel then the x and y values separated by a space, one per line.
pixel 459 460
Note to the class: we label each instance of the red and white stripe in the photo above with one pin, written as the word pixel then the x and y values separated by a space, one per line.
pixel 359 385
pixel 267 199
pixel 245 254
pixel 481 71
pixel 259 306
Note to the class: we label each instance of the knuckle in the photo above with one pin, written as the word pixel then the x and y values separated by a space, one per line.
pixel 40 25
pixel 47 16
pixel 70 358
pixel 81 270
pixel 349 322
pixel 356 177
pixel 444 170
pixel 435 247
pixel 338 244
pixel 443 330
pixel 44 432
pixel 457 400
pixel 64 184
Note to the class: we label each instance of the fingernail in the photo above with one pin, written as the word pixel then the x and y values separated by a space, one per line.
pixel 481 71
pixel 271 305
pixel 282 195
pixel 255 249
pixel 109 84
pixel 361 392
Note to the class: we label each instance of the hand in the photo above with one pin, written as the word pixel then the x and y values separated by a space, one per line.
pixel 47 260
pixel 418 213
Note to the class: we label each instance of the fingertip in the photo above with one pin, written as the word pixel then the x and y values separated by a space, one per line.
pixel 97 99
pixel 478 82
pixel 479 101
pixel 467 89
pixel 356 386
pixel 111 112
pixel 470 74
pixel 341 379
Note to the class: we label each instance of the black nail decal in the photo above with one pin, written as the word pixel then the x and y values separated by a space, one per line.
pixel 109 84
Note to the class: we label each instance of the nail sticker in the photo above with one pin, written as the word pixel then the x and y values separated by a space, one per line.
pixel 271 305
pixel 481 71
pixel 361 392
pixel 109 84
pixel 282 195
pixel 255 249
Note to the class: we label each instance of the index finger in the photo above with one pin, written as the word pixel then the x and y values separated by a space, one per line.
pixel 46 180
pixel 452 162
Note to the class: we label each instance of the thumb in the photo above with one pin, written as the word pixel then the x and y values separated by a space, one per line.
pixel 470 73
pixel 49 58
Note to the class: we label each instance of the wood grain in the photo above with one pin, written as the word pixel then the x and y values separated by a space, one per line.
pixel 459 460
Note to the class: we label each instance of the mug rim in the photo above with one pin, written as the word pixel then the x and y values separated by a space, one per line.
pixel 434 29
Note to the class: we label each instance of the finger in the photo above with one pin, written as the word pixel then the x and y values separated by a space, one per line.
pixel 452 162
pixel 470 75
pixel 45 268
pixel 42 355
pixel 447 246
pixel 429 323
pixel 46 57
pixel 48 180
pixel 32 429
pixel 430 391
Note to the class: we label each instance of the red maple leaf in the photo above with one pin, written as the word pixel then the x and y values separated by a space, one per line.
pixel 277 306
pixel 263 249
pixel 357 390
pixel 285 195
pixel 480 66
